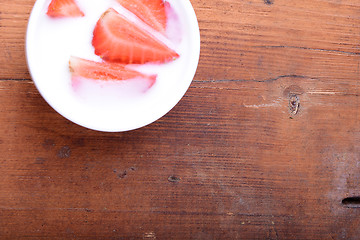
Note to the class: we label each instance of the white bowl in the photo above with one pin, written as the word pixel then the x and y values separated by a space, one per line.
pixel 51 42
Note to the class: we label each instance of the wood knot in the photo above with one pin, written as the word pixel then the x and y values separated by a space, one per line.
pixel 123 174
pixel 294 104
pixel 174 179
pixel 269 2
pixel 150 235
pixel 64 152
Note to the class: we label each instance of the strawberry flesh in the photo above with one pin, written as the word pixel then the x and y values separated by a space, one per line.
pixel 64 8
pixel 117 39
pixel 152 12
pixel 105 71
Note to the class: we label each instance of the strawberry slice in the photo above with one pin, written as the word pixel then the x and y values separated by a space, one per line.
pixel 152 12
pixel 105 71
pixel 64 8
pixel 117 39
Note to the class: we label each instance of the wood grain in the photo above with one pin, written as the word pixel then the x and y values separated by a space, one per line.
pixel 264 145
pixel 13 21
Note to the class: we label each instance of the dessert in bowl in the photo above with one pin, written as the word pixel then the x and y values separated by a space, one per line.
pixel 112 65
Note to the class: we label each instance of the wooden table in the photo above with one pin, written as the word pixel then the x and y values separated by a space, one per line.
pixel 265 144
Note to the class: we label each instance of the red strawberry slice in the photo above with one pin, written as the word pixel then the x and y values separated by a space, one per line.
pixel 152 12
pixel 105 71
pixel 64 8
pixel 117 39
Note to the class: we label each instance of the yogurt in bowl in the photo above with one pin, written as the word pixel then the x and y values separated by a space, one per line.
pixel 114 106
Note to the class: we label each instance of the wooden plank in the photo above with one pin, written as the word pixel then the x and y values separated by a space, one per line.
pixel 231 162
pixel 265 144
pixel 244 39
pixel 13 22
pixel 252 40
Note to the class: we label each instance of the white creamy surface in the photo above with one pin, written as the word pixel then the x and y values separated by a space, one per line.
pixel 117 106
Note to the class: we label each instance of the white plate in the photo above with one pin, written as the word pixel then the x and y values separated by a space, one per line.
pixel 105 107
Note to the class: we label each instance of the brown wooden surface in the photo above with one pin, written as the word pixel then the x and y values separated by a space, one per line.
pixel 265 144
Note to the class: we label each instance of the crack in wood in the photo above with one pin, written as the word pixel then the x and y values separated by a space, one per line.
pixel 17 80
pixel 260 81
pixel 311 49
